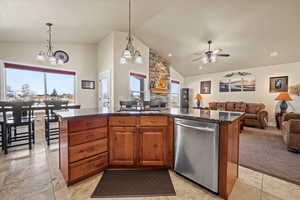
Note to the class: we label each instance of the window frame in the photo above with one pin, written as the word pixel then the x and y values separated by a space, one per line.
pixel 46 69
pixel 139 75
pixel 174 81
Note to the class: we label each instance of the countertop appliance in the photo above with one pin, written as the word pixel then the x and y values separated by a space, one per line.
pixel 197 152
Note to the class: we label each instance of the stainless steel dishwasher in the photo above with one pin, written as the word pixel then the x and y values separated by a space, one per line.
pixel 197 152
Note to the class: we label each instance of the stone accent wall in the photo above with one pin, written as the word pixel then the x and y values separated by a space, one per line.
pixel 159 69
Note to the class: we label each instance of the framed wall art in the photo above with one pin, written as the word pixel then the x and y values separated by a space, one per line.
pixel 224 85
pixel 85 84
pixel 205 87
pixel 279 84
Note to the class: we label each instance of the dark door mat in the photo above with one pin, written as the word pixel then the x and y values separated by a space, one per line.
pixel 134 183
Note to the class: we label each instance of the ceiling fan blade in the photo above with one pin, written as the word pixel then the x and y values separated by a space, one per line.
pixel 217 51
pixel 199 53
pixel 196 59
pixel 223 55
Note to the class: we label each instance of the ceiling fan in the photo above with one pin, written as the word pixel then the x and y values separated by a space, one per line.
pixel 209 56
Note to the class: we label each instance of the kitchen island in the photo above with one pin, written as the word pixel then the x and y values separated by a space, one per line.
pixel 92 140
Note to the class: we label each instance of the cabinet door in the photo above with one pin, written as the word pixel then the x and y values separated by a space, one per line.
pixel 122 146
pixel 152 146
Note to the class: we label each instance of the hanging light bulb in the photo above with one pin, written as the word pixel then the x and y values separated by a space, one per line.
pixel 213 58
pixel 126 53
pixel 138 58
pixel 40 56
pixel 52 59
pixel 60 62
pixel 123 60
pixel 204 60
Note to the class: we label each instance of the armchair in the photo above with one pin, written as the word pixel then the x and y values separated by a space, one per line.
pixel 291 131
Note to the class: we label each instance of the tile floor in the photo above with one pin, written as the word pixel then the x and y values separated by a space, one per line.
pixel 35 175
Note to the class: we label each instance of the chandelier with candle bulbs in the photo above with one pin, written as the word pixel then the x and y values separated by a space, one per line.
pixel 53 57
pixel 130 53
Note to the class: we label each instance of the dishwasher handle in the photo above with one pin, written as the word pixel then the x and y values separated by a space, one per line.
pixel 196 127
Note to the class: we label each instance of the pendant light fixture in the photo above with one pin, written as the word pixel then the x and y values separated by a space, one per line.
pixel 130 53
pixel 54 58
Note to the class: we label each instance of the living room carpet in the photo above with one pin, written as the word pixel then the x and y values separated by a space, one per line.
pixel 265 151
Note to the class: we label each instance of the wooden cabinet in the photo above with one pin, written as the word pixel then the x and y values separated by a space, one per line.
pixel 88 166
pixel 152 121
pixel 86 123
pixel 153 146
pixel 90 144
pixel 87 136
pixel 123 121
pixel 86 150
pixel 143 142
pixel 83 147
pixel 228 157
pixel 122 146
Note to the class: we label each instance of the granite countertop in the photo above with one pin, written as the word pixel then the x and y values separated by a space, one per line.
pixel 194 114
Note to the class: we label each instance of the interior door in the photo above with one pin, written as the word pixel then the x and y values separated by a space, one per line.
pixel 122 146
pixel 104 91
pixel 152 146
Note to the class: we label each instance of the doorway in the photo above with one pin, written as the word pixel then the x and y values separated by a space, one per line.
pixel 104 99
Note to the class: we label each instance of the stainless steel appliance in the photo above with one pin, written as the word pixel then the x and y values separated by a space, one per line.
pixel 197 152
pixel 184 97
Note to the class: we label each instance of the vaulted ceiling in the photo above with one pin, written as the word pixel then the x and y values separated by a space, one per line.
pixel 248 30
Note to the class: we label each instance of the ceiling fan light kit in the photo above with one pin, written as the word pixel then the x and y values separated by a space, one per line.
pixel 209 56
pixel 54 58
pixel 130 53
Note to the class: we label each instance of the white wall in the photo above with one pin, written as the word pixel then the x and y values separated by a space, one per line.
pixel 176 76
pixel 83 60
pixel 261 95
pixel 105 60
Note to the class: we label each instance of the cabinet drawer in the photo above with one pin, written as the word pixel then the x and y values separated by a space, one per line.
pixel 122 121
pixel 86 150
pixel 153 121
pixel 87 136
pixel 86 123
pixel 88 166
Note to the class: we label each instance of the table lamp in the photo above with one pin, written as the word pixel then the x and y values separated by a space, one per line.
pixel 283 97
pixel 199 98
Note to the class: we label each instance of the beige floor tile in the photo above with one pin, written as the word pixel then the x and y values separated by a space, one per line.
pixel 42 195
pixel 280 188
pixel 243 191
pixel 250 177
pixel 267 196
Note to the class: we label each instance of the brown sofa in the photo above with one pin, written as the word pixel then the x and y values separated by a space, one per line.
pixel 290 129
pixel 255 115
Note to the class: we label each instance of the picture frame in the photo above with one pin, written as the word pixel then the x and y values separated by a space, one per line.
pixel 279 84
pixel 86 84
pixel 205 87
pixel 224 85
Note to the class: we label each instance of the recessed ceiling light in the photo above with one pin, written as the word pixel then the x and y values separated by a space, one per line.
pixel 170 55
pixel 275 53
pixel 200 67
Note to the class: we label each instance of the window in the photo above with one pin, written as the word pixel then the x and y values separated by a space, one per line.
pixel 137 86
pixel 32 83
pixel 174 93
